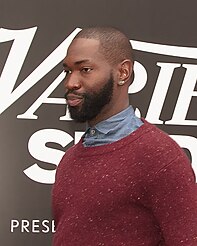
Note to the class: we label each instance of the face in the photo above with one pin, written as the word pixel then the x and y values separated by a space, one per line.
pixel 85 107
pixel 89 80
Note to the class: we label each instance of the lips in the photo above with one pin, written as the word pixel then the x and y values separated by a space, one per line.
pixel 73 100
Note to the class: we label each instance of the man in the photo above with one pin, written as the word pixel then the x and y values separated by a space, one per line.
pixel 126 182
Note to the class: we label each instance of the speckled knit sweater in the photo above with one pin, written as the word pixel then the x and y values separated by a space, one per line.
pixel 137 191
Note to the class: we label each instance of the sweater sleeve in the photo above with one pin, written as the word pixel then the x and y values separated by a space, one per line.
pixel 173 195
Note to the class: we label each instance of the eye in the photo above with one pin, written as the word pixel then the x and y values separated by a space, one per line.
pixel 67 72
pixel 86 69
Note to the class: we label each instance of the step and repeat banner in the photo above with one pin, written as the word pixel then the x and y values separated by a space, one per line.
pixel 35 127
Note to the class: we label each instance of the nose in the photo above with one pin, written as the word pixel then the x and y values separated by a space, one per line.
pixel 72 82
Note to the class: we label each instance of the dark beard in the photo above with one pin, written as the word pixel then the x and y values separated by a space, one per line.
pixel 93 103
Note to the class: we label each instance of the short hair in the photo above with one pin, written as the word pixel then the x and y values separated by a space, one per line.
pixel 114 45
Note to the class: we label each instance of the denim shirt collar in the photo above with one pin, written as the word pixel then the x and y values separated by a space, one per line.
pixel 107 125
pixel 112 129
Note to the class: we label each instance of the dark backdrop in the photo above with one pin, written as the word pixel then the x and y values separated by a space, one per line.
pixel 25 209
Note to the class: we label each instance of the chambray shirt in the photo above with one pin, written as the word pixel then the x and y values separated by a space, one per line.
pixel 112 129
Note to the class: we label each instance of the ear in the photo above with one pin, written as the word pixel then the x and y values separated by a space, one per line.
pixel 125 70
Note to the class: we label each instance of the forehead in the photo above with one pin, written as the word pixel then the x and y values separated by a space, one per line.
pixel 84 49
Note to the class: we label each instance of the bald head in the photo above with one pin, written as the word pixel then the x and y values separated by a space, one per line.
pixel 114 45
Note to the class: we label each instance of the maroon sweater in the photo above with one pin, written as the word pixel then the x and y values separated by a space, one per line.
pixel 137 191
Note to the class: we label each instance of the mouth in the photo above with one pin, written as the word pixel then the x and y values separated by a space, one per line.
pixel 73 100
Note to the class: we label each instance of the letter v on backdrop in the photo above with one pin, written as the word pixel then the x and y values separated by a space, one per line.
pixel 22 40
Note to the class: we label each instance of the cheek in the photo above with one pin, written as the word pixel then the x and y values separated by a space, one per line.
pixel 96 81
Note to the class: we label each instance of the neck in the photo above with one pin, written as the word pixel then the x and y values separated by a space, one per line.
pixel 107 112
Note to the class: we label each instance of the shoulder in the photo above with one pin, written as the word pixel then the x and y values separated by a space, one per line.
pixel 156 148
pixel 154 139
